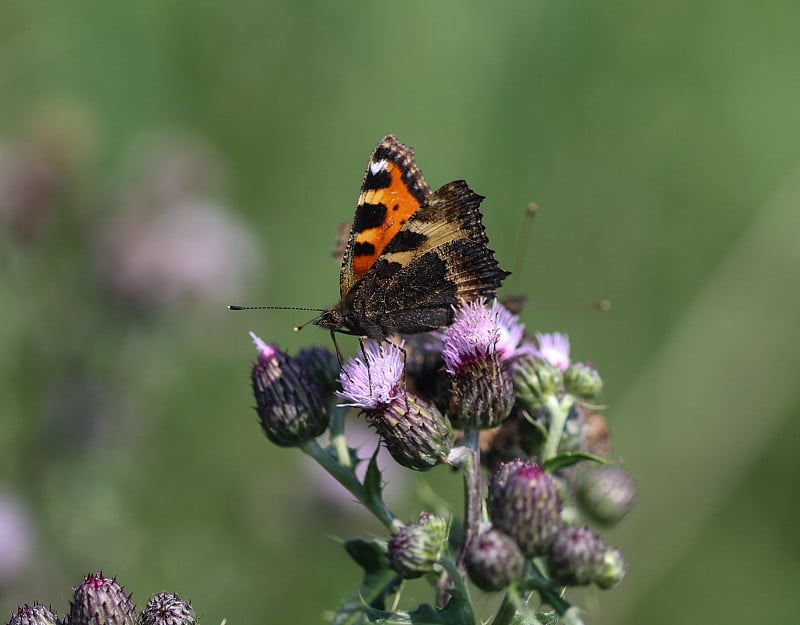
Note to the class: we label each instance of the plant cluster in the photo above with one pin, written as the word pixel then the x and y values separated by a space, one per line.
pixel 481 393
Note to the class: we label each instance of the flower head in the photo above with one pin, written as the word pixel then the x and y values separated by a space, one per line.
pixel 35 614
pixel 373 383
pixel 414 549
pixel 554 348
pixel 480 329
pixel 167 609
pixel 493 560
pixel 101 601
pixel 288 403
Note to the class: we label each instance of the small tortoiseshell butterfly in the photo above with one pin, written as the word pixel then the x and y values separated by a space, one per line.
pixel 412 253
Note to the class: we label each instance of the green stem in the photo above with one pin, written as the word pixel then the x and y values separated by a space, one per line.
pixel 472 493
pixel 347 478
pixel 337 437
pixel 559 410
pixel 505 613
pixel 459 590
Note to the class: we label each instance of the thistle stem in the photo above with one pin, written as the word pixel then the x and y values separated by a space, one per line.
pixel 337 437
pixel 347 478
pixel 472 493
pixel 559 410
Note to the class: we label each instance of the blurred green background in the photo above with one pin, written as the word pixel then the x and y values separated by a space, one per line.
pixel 161 159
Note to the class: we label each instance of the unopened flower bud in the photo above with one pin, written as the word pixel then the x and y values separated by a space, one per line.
pixel 499 478
pixel 536 379
pixel 527 508
pixel 167 609
pixel 606 494
pixel 482 393
pixel 101 601
pixel 493 560
pixel 35 614
pixel 416 434
pixel 578 557
pixel 583 380
pixel 321 366
pixel 288 403
pixel 414 549
pixel 612 570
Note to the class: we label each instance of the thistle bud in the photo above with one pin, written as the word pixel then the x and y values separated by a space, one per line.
pixel 527 508
pixel 414 549
pixel 497 482
pixel 35 614
pixel 167 609
pixel 101 601
pixel 606 494
pixel 494 561
pixel 583 380
pixel 321 366
pixel 535 380
pixel 578 557
pixel 288 403
pixel 415 432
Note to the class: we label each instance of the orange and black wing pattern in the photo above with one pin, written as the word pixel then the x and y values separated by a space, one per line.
pixel 393 189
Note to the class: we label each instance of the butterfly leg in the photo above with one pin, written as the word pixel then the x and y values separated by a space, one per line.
pixel 361 340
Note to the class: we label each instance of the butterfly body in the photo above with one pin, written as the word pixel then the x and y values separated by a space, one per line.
pixel 412 253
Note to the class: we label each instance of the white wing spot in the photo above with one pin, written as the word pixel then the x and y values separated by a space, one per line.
pixel 378 166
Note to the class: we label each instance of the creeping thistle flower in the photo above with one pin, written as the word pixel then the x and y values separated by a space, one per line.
pixel 606 494
pixel 414 549
pixel 288 403
pixel 525 506
pixel 578 557
pixel 479 348
pixel 554 348
pixel 101 601
pixel 493 560
pixel 167 609
pixel 414 431
pixel 35 614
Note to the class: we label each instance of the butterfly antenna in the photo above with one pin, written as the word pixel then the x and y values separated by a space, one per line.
pixel 230 307
pixel 530 213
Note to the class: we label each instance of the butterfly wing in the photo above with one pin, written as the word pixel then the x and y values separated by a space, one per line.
pixel 438 258
pixel 393 189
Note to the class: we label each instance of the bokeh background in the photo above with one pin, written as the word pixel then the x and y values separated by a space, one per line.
pixel 159 160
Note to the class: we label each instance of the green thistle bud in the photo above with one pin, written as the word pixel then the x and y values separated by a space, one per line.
pixel 321 366
pixel 167 609
pixel 494 561
pixel 612 569
pixel 35 614
pixel 101 601
pixel 578 557
pixel 414 549
pixel 527 508
pixel 415 433
pixel 583 380
pixel 288 403
pixel 536 379
pixel 606 494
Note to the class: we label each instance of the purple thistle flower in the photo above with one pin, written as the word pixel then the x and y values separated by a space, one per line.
pixel 478 350
pixel 554 348
pixel 373 383
pixel 480 329
pixel 414 432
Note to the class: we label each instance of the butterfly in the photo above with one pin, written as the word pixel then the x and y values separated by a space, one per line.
pixel 412 253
